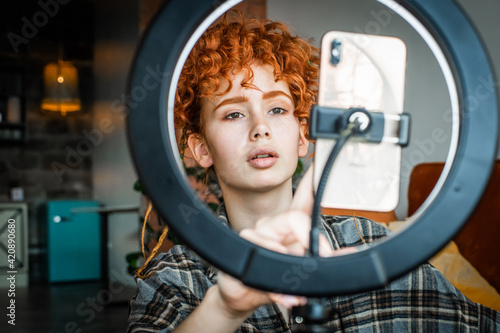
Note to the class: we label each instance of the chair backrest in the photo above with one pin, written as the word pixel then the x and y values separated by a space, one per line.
pixel 479 240
pixel 383 217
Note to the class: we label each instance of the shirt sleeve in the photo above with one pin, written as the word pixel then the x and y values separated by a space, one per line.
pixel 423 300
pixel 167 297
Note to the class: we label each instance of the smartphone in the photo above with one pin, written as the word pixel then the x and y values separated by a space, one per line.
pixel 365 71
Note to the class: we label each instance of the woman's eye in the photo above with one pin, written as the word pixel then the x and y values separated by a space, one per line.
pixel 277 111
pixel 234 115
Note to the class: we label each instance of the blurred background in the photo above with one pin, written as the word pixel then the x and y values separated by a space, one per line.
pixel 66 174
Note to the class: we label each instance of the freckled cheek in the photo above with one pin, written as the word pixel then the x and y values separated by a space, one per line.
pixel 226 152
pixel 285 128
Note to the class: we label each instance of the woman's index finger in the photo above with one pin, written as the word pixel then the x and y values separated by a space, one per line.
pixel 303 198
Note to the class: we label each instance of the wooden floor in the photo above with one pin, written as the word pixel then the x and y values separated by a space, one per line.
pixel 67 308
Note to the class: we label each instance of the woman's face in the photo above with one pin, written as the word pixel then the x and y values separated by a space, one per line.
pixel 251 135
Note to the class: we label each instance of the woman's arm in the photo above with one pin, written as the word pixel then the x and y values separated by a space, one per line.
pixel 214 315
pixel 227 304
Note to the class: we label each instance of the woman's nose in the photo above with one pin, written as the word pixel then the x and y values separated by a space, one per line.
pixel 260 129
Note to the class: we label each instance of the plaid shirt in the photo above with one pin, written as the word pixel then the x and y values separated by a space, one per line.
pixel 421 301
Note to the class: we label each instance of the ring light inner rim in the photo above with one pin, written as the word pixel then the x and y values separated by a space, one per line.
pixel 391 4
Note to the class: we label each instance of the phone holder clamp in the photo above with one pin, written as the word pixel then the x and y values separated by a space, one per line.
pixel 375 127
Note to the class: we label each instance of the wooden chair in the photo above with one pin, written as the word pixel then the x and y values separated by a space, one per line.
pixel 479 240
pixel 383 217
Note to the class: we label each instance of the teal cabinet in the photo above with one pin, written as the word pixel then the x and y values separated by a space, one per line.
pixel 73 241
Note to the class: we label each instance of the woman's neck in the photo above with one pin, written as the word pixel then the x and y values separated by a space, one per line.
pixel 245 208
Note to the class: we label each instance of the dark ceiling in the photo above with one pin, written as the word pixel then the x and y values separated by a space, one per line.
pixel 47 29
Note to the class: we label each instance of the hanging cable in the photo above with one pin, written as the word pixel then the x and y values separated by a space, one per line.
pixel 352 128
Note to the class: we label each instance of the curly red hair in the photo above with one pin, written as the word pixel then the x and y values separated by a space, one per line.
pixel 227 48
pixel 230 46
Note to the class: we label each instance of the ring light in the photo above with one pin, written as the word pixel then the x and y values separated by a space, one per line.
pixel 166 45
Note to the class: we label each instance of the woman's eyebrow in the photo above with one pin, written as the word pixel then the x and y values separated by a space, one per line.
pixel 244 99
pixel 232 100
pixel 276 93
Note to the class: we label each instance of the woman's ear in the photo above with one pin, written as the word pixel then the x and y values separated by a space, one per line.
pixel 199 150
pixel 303 142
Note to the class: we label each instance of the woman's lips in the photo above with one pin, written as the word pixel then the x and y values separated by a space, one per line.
pixel 262 157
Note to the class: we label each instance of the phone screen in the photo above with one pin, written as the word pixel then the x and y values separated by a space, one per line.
pixel 364 71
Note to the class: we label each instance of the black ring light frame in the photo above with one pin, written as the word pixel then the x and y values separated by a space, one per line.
pixel 165 46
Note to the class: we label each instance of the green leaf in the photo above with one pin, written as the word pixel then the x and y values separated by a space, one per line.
pixel 299 169
pixel 173 238
pixel 213 206
pixel 133 257
pixel 148 227
pixel 138 186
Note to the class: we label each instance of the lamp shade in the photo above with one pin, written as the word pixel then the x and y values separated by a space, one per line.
pixel 61 88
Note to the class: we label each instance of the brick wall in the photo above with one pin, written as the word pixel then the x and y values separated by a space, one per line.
pixel 54 162
pixel 41 166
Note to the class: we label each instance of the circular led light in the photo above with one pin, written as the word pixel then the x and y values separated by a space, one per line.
pixel 152 85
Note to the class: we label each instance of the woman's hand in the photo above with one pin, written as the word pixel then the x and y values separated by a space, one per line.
pixel 229 302
pixel 238 300
pixel 287 232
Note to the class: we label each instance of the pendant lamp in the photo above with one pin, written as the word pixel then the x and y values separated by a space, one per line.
pixel 61 93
